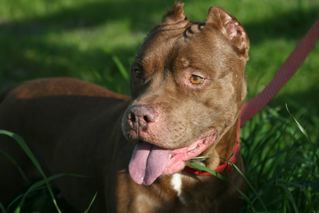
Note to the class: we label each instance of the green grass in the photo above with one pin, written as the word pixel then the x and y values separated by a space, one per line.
pixel 282 173
pixel 282 162
pixel 80 38
pixel 41 193
pixel 38 167
pixel 96 41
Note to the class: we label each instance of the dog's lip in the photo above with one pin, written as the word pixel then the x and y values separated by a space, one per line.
pixel 150 161
pixel 203 139
pixel 180 156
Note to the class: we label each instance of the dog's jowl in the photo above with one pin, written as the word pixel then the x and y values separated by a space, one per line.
pixel 187 90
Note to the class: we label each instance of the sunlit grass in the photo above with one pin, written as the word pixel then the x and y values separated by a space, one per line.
pixel 76 38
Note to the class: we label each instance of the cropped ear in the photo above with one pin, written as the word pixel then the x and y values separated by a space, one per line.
pixel 175 14
pixel 230 28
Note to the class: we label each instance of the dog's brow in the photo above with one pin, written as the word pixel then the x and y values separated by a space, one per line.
pixel 140 61
pixel 193 28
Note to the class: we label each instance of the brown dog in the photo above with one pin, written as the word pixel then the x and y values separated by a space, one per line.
pixel 187 87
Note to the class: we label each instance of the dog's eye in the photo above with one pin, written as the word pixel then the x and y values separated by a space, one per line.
pixel 196 79
pixel 137 72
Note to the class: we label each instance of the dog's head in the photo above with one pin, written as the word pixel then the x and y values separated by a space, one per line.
pixel 188 85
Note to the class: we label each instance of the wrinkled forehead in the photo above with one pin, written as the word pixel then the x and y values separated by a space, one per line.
pixel 158 46
pixel 195 42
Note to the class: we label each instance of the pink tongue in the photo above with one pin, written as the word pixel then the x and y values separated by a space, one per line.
pixel 148 163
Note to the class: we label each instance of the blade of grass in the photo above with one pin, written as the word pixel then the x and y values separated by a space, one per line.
pixel 121 68
pixel 39 185
pixel 42 183
pixel 195 165
pixel 14 201
pixel 24 177
pixel 17 210
pixel 91 203
pixel 289 196
pixel 249 184
pixel 31 156
pixel 246 198
pixel 3 210
pixel 277 151
pixel 300 127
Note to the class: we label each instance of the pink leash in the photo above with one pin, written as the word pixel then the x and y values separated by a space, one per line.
pixel 252 107
pixel 292 63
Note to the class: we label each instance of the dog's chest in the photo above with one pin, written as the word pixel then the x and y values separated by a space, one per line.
pixel 174 193
pixel 176 183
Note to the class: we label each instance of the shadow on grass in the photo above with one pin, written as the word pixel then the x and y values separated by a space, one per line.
pixel 139 13
pixel 304 102
pixel 292 24
pixel 26 54
pixel 29 59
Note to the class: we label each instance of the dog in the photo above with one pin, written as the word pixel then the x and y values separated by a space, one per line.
pixel 188 86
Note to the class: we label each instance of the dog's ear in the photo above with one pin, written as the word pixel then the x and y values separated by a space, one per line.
pixel 175 14
pixel 230 27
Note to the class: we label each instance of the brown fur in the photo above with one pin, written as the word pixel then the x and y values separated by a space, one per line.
pixel 75 127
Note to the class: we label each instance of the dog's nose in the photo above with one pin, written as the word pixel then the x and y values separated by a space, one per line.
pixel 140 116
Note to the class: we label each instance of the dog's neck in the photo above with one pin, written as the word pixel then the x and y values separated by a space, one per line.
pixel 225 146
pixel 182 184
pixel 224 149
pixel 220 157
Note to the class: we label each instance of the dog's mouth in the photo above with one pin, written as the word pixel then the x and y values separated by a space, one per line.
pixel 148 161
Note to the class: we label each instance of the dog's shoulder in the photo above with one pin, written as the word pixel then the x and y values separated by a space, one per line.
pixel 62 87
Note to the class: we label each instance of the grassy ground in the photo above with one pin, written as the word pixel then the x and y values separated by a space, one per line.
pixel 85 39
